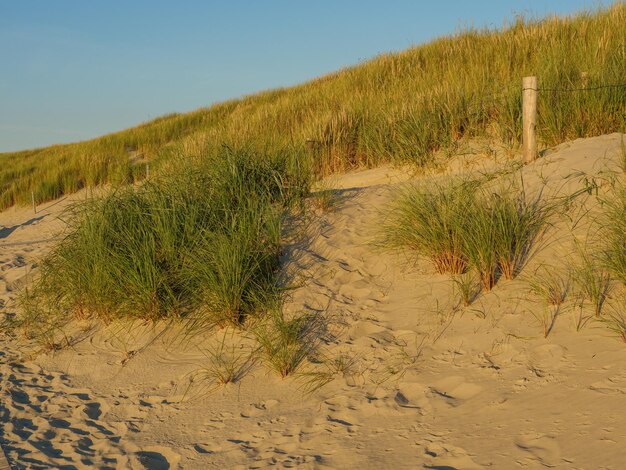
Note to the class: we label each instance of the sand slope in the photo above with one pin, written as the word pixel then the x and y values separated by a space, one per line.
pixel 419 382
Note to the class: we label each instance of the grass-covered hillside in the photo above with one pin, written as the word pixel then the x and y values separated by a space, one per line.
pixel 396 107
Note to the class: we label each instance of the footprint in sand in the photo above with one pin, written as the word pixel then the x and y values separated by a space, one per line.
pixel 455 389
pixel 540 448
pixel 610 386
pixel 150 458
pixel 257 409
pixel 362 329
pixel 413 395
pixel 448 457
pixel 356 290
pixel 153 460
pixel 547 357
pixel 375 267
pixel 383 337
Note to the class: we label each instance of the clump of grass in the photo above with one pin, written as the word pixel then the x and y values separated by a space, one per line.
pixel 551 288
pixel 228 362
pixel 202 244
pixel 614 236
pixel 519 220
pixel 465 224
pixel 41 322
pixel 615 321
pixel 580 319
pixel 591 280
pixel 467 287
pixel 324 197
pixel 501 229
pixel 285 342
pixel 429 220
pixel 326 370
pixel 550 285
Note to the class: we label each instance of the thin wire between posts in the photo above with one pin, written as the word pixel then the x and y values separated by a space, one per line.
pixel 479 104
pixel 568 90
pixel 491 97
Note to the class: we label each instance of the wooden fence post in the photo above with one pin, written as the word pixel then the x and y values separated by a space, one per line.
pixel 147 170
pixel 529 118
pixel 32 195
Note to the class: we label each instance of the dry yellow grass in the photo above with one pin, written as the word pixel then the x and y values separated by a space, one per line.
pixel 396 107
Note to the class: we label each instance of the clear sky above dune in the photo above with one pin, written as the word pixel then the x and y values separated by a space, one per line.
pixel 75 69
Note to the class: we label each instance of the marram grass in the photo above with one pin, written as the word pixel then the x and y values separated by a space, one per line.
pixel 466 224
pixel 614 235
pixel 202 245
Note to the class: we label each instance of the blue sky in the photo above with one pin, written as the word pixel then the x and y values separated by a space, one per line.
pixel 75 69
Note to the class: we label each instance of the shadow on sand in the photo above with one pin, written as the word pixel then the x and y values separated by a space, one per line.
pixel 6 231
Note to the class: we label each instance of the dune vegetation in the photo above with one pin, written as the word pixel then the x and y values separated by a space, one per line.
pixel 201 246
pixel 397 107
pixel 611 262
pixel 614 231
pixel 478 229
pixel 466 225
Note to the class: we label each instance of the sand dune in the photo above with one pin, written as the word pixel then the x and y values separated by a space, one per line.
pixel 419 382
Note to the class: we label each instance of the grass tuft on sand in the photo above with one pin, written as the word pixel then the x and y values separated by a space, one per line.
pixel 201 245
pixel 467 224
